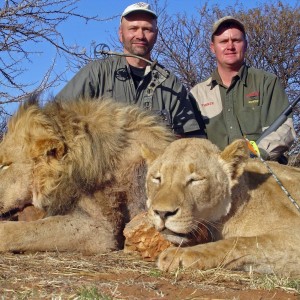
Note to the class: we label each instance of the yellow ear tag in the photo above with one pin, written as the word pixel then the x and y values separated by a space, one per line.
pixel 253 148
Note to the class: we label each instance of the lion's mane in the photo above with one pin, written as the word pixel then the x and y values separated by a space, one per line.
pixel 79 147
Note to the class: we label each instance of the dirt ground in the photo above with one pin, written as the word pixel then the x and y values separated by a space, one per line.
pixel 123 276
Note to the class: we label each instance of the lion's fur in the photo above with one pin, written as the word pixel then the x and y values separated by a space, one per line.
pixel 254 225
pixel 81 162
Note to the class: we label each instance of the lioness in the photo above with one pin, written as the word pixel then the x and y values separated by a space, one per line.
pixel 253 223
pixel 81 163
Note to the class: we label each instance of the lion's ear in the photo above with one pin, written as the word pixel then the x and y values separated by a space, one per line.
pixel 148 154
pixel 235 156
pixel 49 147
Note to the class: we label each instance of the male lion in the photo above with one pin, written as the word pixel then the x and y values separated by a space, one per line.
pixel 253 223
pixel 81 163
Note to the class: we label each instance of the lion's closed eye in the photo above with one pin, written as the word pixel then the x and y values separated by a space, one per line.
pixel 195 179
pixel 4 167
pixel 156 179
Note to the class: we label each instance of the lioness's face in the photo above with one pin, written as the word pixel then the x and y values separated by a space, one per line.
pixel 187 186
pixel 15 177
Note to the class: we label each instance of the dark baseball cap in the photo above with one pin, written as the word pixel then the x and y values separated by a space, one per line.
pixel 227 19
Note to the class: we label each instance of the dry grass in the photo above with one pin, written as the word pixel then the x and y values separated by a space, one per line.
pixel 121 276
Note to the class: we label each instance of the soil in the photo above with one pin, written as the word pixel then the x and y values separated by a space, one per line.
pixel 122 276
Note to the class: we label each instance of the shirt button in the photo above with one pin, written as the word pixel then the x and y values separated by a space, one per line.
pixel 228 109
pixel 230 127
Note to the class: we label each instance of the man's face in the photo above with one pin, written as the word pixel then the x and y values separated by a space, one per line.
pixel 138 33
pixel 229 46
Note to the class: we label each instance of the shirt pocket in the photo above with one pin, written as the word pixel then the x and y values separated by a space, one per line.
pixel 250 120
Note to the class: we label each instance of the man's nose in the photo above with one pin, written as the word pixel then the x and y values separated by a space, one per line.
pixel 140 34
pixel 230 44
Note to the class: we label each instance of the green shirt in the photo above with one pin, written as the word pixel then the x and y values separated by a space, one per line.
pixel 111 78
pixel 250 104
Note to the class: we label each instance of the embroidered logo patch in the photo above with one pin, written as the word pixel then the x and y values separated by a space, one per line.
pixel 253 94
pixel 207 104
pixel 254 101
pixel 253 98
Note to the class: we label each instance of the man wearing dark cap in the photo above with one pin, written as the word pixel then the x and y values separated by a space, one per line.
pixel 132 80
pixel 238 100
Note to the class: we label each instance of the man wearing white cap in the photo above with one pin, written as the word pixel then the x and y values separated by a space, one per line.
pixel 132 80
pixel 238 100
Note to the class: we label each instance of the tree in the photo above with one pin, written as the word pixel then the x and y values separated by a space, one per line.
pixel 23 22
pixel 272 33
pixel 180 47
pixel 274 42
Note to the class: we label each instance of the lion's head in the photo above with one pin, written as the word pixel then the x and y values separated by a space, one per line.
pixel 190 184
pixel 15 173
pixel 53 155
pixel 31 145
pixel 46 156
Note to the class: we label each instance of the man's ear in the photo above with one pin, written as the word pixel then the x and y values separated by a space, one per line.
pixel 212 47
pixel 48 147
pixel 120 34
pixel 246 45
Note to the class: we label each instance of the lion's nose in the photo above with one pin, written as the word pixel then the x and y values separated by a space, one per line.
pixel 165 214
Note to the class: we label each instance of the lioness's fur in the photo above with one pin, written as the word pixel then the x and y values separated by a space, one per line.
pixel 80 162
pixel 252 221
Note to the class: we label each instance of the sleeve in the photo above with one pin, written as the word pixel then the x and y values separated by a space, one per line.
pixel 198 115
pixel 82 85
pixel 186 120
pixel 280 140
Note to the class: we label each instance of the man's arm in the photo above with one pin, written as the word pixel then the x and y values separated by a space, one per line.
pixel 280 140
pixel 187 120
pixel 80 86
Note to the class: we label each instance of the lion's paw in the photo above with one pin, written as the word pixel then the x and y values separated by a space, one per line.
pixel 173 258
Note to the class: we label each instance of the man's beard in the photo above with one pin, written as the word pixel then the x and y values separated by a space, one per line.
pixel 138 50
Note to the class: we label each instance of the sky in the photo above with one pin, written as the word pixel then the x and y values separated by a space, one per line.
pixel 78 32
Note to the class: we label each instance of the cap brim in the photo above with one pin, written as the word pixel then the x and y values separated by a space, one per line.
pixel 228 20
pixel 146 11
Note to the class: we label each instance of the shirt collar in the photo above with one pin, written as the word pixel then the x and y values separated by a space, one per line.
pixel 216 79
pixel 243 73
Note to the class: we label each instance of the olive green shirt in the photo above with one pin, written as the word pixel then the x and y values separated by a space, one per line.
pixel 158 91
pixel 246 108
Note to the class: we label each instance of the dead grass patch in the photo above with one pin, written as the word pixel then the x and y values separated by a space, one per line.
pixel 122 276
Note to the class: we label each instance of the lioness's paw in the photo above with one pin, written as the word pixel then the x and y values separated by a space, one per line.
pixel 173 258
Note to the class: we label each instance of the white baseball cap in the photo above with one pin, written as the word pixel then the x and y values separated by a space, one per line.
pixel 139 7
